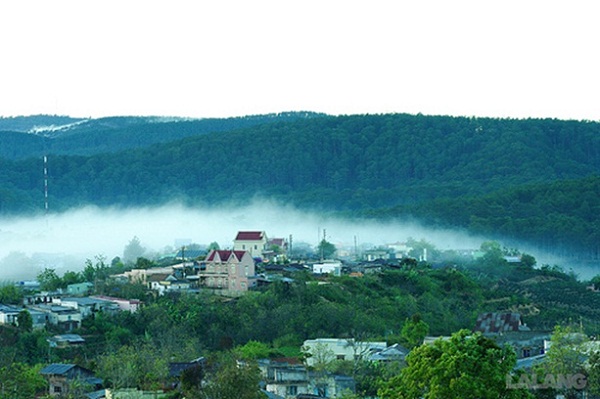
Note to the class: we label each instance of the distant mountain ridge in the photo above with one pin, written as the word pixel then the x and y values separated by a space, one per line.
pixel 28 124
pixel 532 179
pixel 87 136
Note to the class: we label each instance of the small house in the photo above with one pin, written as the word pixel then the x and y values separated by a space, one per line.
pixel 61 376
pixel 254 242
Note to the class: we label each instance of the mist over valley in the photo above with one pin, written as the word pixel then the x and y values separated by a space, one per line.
pixel 64 241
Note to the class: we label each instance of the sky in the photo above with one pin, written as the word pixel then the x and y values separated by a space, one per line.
pixel 223 58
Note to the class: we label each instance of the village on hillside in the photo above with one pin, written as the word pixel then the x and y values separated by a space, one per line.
pixel 254 261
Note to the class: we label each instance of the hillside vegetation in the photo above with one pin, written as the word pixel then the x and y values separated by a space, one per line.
pixel 528 179
pixel 274 321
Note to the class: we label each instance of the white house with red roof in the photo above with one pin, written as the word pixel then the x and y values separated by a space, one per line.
pixel 254 242
pixel 228 270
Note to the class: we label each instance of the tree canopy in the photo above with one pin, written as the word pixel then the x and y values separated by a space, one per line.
pixel 468 365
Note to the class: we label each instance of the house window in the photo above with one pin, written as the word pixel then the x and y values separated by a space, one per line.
pixel 246 269
pixel 341 357
pixel 526 352
pixel 243 246
pixel 292 390
pixel 232 269
pixel 256 247
pixel 57 389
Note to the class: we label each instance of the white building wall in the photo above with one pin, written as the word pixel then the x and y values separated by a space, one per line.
pixel 337 348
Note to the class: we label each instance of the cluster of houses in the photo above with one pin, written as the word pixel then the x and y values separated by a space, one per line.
pixel 63 311
pixel 303 378
pixel 281 378
pixel 229 272
pixel 232 272
pixel 290 377
pixel 64 378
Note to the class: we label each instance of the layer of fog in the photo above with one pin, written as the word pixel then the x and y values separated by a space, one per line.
pixel 64 241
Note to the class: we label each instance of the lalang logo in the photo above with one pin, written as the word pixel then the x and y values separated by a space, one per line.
pixel 547 381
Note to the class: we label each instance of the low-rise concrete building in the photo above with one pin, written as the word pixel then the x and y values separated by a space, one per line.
pixel 233 271
pixel 129 305
pixel 254 242
pixel 88 306
pixel 61 376
pixel 62 316
pixel 328 349
pixel 8 314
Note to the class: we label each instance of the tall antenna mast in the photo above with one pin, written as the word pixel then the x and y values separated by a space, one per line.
pixel 46 184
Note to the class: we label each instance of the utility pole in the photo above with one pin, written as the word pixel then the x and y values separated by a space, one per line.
pixel 322 243
pixel 183 260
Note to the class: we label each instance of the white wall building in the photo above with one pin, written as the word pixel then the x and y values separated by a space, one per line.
pixel 333 268
pixel 328 349
pixel 254 242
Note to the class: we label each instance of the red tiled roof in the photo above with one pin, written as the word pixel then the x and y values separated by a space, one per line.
pixel 224 255
pixel 249 236
pixel 211 256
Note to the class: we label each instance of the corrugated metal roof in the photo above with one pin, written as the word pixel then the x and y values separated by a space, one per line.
pixel 57 368
pixel 69 338
pixel 9 309
pixel 85 300
pixel 190 253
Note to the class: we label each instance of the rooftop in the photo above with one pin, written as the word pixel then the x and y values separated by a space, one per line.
pixel 249 236
pixel 57 368
pixel 224 255
pixel 499 322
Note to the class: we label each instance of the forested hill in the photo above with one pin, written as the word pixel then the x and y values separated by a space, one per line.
pixel 39 135
pixel 446 167
pixel 560 217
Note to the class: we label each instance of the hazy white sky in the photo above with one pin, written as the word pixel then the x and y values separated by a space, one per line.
pixel 228 57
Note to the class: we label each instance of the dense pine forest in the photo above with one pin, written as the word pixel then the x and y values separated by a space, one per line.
pixel 534 179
